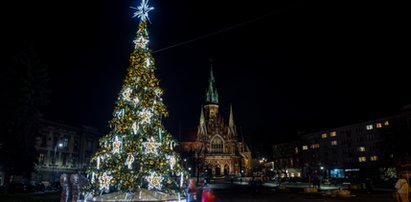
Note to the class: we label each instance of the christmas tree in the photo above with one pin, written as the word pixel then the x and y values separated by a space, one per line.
pixel 138 153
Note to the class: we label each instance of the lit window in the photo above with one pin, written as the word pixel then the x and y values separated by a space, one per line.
pixel 334 142
pixel 374 158
pixel 324 135
pixel 362 159
pixel 361 149
pixel 305 147
pixel 379 125
pixel 315 146
pixel 333 134
pixel 217 145
pixel 369 127
pixel 386 123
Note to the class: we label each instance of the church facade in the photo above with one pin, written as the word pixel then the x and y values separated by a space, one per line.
pixel 216 148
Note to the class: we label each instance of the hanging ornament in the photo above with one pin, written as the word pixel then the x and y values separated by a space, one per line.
pixel 104 182
pixel 127 94
pixel 151 146
pixel 120 113
pixel 171 145
pixel 135 128
pixel 145 116
pixel 158 92
pixel 172 160
pixel 129 160
pixel 92 178
pixel 98 162
pixel 116 145
pixel 135 101
pixel 159 133
pixel 148 63
pixel 181 179
pixel 154 181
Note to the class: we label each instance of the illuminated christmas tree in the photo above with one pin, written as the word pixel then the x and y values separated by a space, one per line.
pixel 138 153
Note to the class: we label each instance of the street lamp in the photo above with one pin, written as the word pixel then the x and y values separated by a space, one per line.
pixel 59 145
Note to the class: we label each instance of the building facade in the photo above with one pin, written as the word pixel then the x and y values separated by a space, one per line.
pixel 361 149
pixel 286 160
pixel 216 147
pixel 64 149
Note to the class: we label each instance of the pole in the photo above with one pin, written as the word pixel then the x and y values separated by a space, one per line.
pixel 54 164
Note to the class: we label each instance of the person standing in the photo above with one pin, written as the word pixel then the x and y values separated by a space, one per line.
pixel 191 191
pixel 402 189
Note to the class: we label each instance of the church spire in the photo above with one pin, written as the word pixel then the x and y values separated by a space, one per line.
pixel 211 94
pixel 231 120
pixel 231 127
pixel 202 119
pixel 202 129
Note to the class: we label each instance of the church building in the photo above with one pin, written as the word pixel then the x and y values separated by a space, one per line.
pixel 216 147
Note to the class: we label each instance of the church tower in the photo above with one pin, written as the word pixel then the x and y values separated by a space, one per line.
pixel 211 98
pixel 219 151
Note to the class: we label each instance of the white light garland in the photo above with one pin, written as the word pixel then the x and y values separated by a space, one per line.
pixel 130 159
pixel 104 182
pixel 154 181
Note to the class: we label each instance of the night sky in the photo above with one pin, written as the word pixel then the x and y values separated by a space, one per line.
pixel 285 66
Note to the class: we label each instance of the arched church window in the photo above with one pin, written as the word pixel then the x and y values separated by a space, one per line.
pixel 217 145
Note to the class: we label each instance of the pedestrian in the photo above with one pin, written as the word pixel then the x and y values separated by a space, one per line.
pixel 402 189
pixel 191 191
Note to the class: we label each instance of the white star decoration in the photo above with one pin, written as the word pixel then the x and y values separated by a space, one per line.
pixel 154 181
pixel 145 116
pixel 142 10
pixel 151 146
pixel 104 182
pixel 127 94
pixel 140 42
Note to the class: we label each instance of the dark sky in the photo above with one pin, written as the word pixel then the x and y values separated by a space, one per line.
pixel 288 66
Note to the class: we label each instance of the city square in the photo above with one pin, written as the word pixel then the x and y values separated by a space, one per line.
pixel 204 101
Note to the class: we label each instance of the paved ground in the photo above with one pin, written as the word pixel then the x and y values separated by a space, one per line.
pixel 294 197
pixel 243 193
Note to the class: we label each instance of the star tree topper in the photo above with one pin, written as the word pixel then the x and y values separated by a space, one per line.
pixel 142 10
